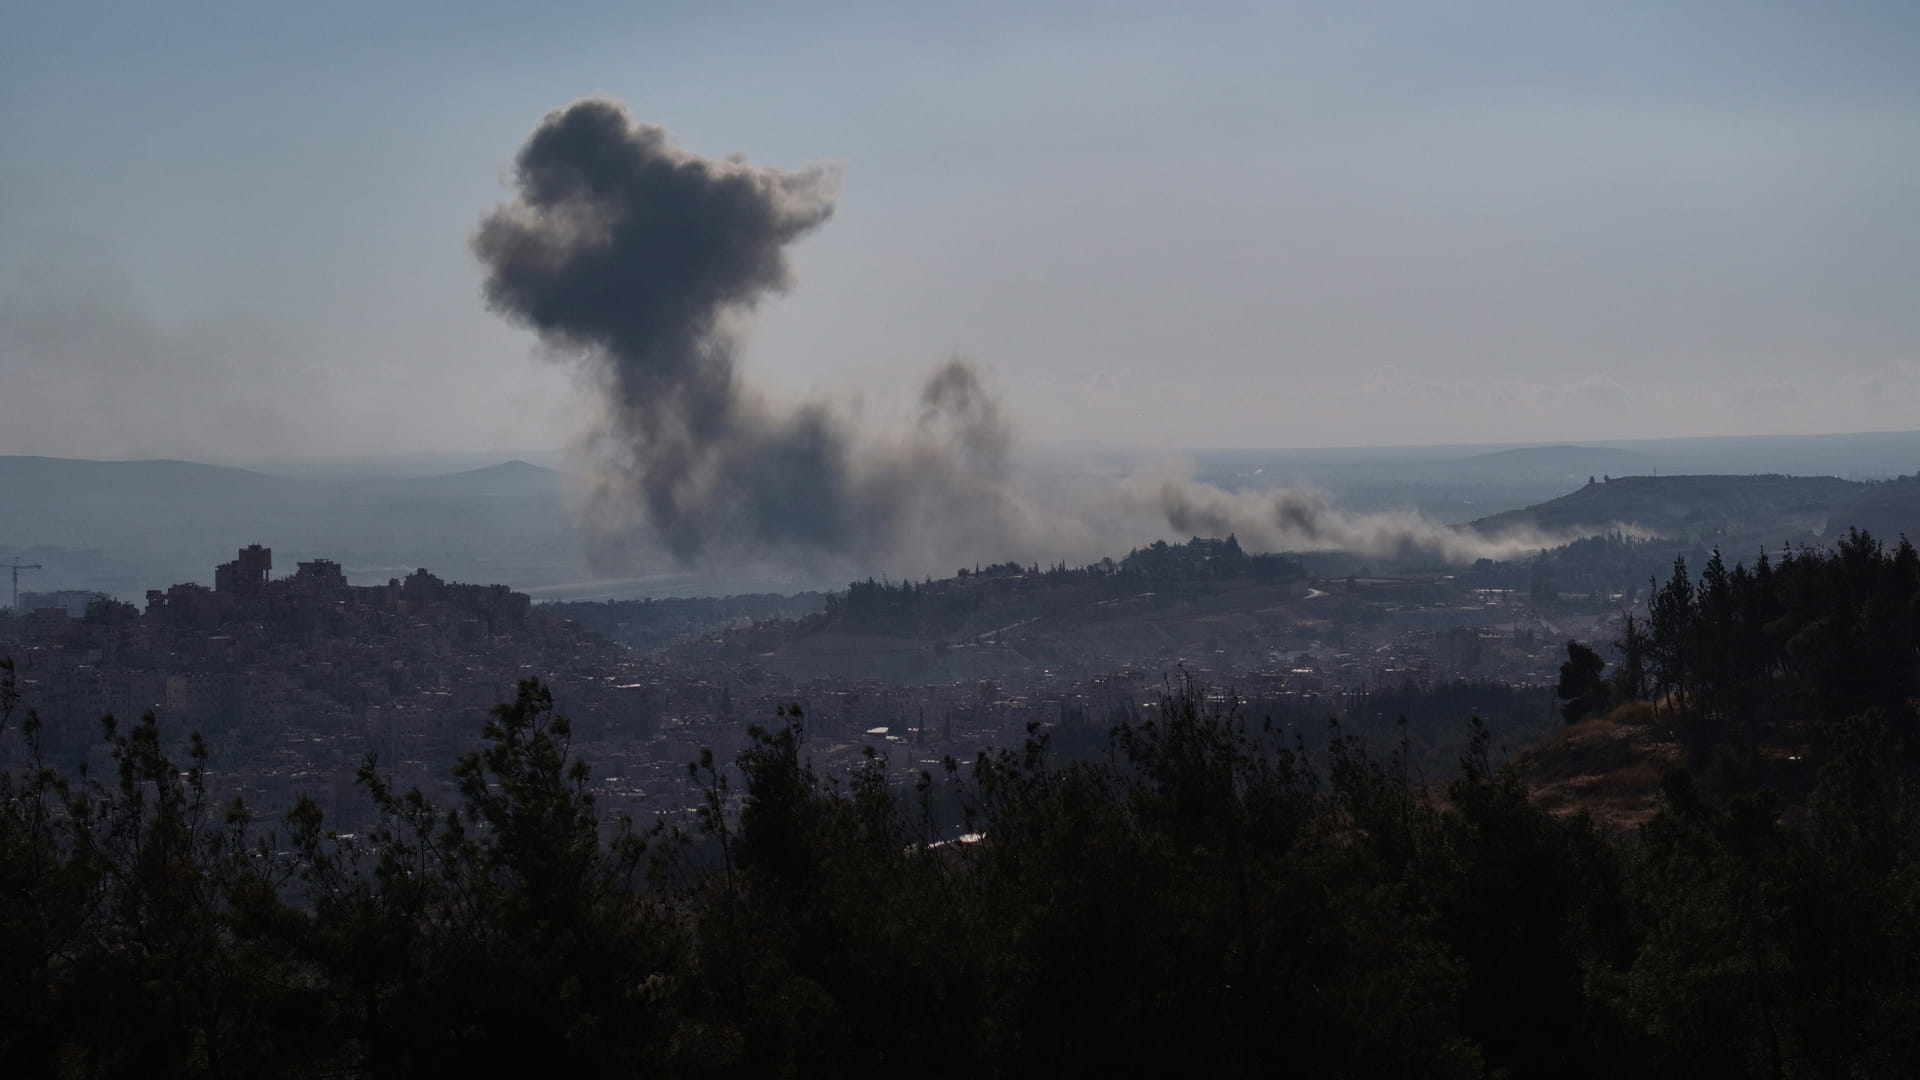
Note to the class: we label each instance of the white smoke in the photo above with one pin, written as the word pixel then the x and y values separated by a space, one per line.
pixel 1305 519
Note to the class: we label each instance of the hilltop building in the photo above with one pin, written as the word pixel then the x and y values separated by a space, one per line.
pixel 247 573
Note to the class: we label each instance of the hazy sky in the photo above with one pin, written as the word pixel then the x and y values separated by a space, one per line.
pixel 243 229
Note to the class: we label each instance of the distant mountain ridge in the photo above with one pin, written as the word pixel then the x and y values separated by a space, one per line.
pixel 1560 456
pixel 152 523
pixel 158 477
pixel 126 526
pixel 1764 510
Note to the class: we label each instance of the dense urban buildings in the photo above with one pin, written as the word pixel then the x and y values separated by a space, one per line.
pixel 294 681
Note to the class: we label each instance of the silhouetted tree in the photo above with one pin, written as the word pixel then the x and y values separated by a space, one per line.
pixel 1582 689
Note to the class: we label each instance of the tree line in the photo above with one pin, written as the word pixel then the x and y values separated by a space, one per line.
pixel 1778 654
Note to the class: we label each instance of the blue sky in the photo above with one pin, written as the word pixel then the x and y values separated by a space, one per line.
pixel 232 230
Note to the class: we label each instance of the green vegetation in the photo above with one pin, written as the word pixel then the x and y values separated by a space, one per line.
pixel 1424 721
pixel 944 608
pixel 1582 691
pixel 1786 656
pixel 1199 898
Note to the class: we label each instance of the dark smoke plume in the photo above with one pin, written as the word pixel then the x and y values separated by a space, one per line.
pixel 644 260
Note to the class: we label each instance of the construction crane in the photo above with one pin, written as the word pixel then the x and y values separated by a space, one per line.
pixel 16 566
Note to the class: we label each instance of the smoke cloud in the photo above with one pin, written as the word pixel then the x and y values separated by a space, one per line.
pixel 1303 519
pixel 644 261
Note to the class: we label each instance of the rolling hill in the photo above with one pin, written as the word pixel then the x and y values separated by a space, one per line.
pixel 1738 511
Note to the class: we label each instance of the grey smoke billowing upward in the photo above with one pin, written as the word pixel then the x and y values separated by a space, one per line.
pixel 644 261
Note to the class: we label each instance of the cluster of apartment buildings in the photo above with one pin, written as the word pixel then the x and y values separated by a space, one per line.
pixel 294 681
